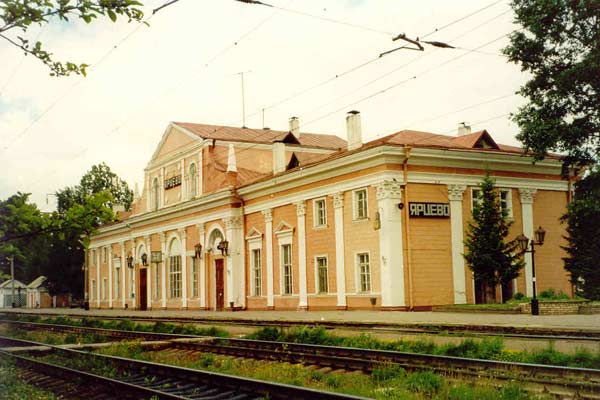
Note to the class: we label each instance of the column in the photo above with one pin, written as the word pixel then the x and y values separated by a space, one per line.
pixel 132 275
pixel 301 212
pixel 527 197
pixel 148 272
pixel 455 195
pixel 389 194
pixel 184 274
pixel 200 170
pixel 110 286
pixel 202 267
pixel 124 267
pixel 163 269
pixel 338 206
pixel 235 260
pixel 98 255
pixel 269 244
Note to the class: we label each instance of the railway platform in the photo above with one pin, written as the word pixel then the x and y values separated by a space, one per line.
pixel 390 319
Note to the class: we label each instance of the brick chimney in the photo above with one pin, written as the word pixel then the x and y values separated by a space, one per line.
pixel 354 130
pixel 231 167
pixel 463 129
pixel 278 157
pixel 295 127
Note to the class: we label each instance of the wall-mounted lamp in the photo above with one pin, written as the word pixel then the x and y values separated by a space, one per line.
pixel 144 259
pixel 377 222
pixel 156 257
pixel 400 206
pixel 130 262
pixel 224 247
pixel 198 250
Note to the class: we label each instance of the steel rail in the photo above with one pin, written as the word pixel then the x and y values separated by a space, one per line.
pixel 185 382
pixel 416 328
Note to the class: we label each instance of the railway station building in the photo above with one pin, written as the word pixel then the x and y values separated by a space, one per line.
pixel 238 218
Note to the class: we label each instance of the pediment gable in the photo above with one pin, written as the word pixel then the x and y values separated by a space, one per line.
pixel 283 228
pixel 254 234
pixel 173 139
pixel 485 141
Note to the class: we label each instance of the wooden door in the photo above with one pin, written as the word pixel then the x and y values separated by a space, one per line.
pixel 142 293
pixel 220 287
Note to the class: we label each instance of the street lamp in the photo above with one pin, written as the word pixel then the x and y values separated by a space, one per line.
pixel 540 235
pixel 224 247
pixel 198 250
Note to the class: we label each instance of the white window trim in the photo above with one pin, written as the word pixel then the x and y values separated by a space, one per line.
pixel 509 203
pixel 194 271
pixel 317 292
pixel 255 244
pixel 357 288
pixel 284 238
pixel 354 204
pixel 316 214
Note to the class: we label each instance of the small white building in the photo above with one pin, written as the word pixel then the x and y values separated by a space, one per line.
pixel 37 293
pixel 6 299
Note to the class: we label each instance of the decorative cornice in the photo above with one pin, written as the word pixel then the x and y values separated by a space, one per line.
pixel 233 222
pixel 527 195
pixel 338 200
pixel 200 228
pixel 268 213
pixel 182 233
pixel 389 190
pixel 455 192
pixel 163 237
pixel 301 208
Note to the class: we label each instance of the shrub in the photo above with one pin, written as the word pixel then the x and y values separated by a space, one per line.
pixel 518 296
pixel 551 294
pixel 424 382
pixel 387 372
pixel 206 360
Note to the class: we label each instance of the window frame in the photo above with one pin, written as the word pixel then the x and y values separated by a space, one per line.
pixel 355 204
pixel 318 288
pixel 175 279
pixel 195 276
pixel 290 277
pixel 501 190
pixel 316 217
pixel 360 274
pixel 256 271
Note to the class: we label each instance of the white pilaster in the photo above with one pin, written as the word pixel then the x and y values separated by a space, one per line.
pixel 338 206
pixel 235 262
pixel 183 192
pixel 184 273
pixel 455 195
pixel 527 197
pixel 161 183
pixel 100 250
pixel 200 170
pixel 389 194
pixel 163 269
pixel 132 290
pixel 148 272
pixel 269 244
pixel 301 213
pixel 148 192
pixel 202 280
pixel 124 267
pixel 110 275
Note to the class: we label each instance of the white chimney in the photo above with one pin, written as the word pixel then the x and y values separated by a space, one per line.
pixel 295 127
pixel 231 163
pixel 464 129
pixel 354 130
pixel 278 157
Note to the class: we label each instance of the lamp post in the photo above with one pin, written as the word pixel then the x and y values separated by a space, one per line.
pixel 540 235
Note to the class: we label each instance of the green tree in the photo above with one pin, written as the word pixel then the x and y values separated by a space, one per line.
pixel 583 249
pixel 493 260
pixel 559 46
pixel 18 15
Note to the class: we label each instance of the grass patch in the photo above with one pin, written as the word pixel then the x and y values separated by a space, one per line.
pixel 12 388
pixel 487 348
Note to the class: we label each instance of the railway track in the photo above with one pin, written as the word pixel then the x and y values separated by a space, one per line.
pixel 141 379
pixel 533 333
pixel 561 381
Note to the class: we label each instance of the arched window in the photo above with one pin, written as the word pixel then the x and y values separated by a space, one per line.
pixel 193 181
pixel 155 193
pixel 174 269
pixel 214 239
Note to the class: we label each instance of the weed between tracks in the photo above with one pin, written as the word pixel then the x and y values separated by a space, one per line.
pixel 386 382
pixel 12 388
pixel 487 349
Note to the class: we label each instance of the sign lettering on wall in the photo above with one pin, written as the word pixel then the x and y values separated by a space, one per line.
pixel 429 210
pixel 172 182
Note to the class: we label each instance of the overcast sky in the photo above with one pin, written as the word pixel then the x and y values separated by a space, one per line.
pixel 185 65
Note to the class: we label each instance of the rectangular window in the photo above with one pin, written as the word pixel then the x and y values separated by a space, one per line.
pixel 320 212
pixel 256 272
pixel 156 281
pixel 364 270
pixel 117 281
pixel 195 262
pixel 104 289
pixel 505 199
pixel 175 276
pixel 286 268
pixel 323 286
pixel 360 204
pixel 93 291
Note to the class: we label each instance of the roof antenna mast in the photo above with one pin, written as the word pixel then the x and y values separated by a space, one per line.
pixel 241 74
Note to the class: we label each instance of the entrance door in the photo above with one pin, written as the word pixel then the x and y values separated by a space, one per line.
pixel 220 288
pixel 142 293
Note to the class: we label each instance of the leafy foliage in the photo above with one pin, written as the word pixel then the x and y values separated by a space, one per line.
pixel 583 228
pixel 492 260
pixel 559 46
pixel 21 15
